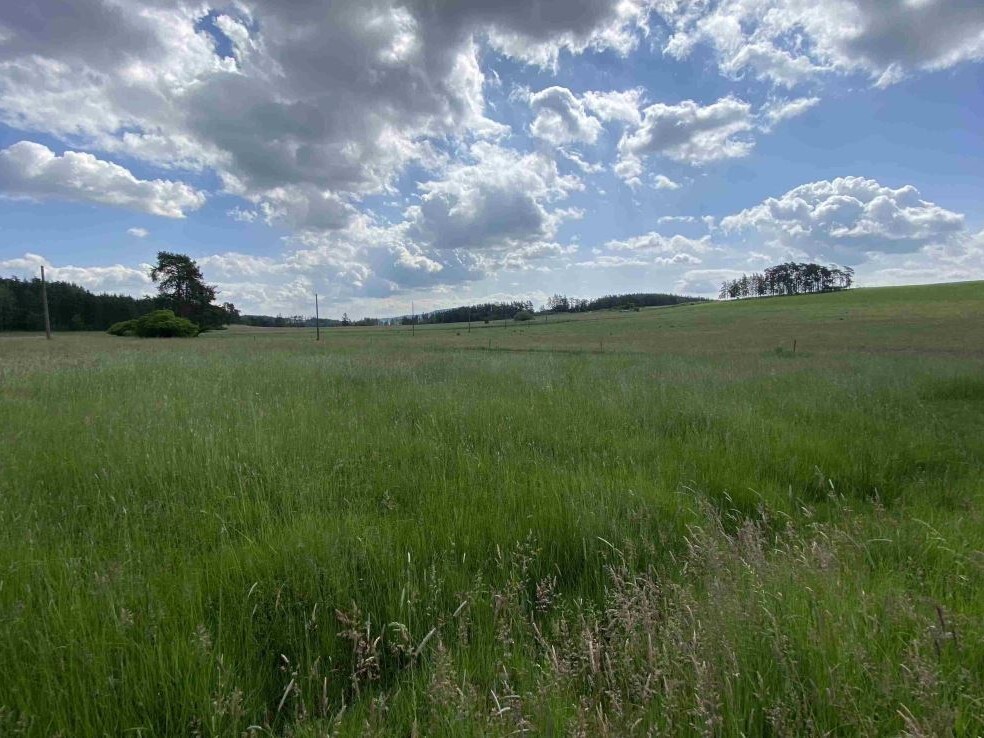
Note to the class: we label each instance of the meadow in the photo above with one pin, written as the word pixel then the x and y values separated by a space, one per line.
pixel 664 522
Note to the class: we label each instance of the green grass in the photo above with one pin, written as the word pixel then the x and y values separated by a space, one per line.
pixel 617 524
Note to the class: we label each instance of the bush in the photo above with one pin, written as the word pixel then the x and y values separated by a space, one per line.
pixel 156 324
pixel 523 315
pixel 165 324
pixel 123 328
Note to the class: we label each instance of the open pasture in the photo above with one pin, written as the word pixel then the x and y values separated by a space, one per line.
pixel 663 522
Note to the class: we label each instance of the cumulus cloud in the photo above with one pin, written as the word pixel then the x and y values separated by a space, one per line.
pixel 314 112
pixel 495 209
pixel 791 41
pixel 562 118
pixel 692 133
pixel 333 100
pixel 649 250
pixel 686 132
pixel 31 170
pixel 848 216
pixel 656 243
pixel 662 182
pixel 116 278
pixel 138 232
pixel 614 105
pixel 498 201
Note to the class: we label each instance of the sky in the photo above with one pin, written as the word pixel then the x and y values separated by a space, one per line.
pixel 444 152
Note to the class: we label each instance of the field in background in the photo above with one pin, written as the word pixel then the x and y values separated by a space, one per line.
pixel 617 524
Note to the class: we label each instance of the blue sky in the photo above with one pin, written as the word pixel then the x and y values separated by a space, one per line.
pixel 381 152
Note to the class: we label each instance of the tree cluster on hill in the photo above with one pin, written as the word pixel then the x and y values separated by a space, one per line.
pixel 181 289
pixel 485 312
pixel 790 278
pixel 630 301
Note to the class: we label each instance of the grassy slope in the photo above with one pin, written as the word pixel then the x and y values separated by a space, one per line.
pixel 656 519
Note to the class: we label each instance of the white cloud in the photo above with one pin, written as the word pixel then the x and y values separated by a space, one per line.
pixel 326 101
pixel 687 132
pixel 138 232
pixel 629 168
pixel 242 215
pixel 616 106
pixel 792 41
pixel 497 209
pixel 650 250
pixel 115 278
pixel 776 111
pixel 662 182
pixel 33 171
pixel 579 161
pixel 961 259
pixel 237 33
pixel 498 201
pixel 848 217
pixel 656 243
pixel 315 108
pixel 612 261
pixel 562 118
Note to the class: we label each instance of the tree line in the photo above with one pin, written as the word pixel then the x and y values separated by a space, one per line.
pixel 72 308
pixel 483 312
pixel 630 301
pixel 495 311
pixel 299 321
pixel 180 288
pixel 791 278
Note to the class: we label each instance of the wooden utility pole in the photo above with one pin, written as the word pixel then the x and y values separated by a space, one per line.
pixel 44 299
pixel 317 319
pixel 413 318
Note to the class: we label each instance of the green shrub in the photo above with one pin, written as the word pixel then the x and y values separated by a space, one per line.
pixel 123 328
pixel 165 324
pixel 523 315
pixel 161 324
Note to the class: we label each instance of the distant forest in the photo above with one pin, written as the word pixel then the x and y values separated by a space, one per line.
pixel 299 321
pixel 790 278
pixel 72 308
pixel 493 311
pixel 484 312
pixel 564 304
pixel 75 308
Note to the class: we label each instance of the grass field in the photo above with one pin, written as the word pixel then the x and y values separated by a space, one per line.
pixel 624 524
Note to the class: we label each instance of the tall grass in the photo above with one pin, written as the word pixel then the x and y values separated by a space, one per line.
pixel 253 533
